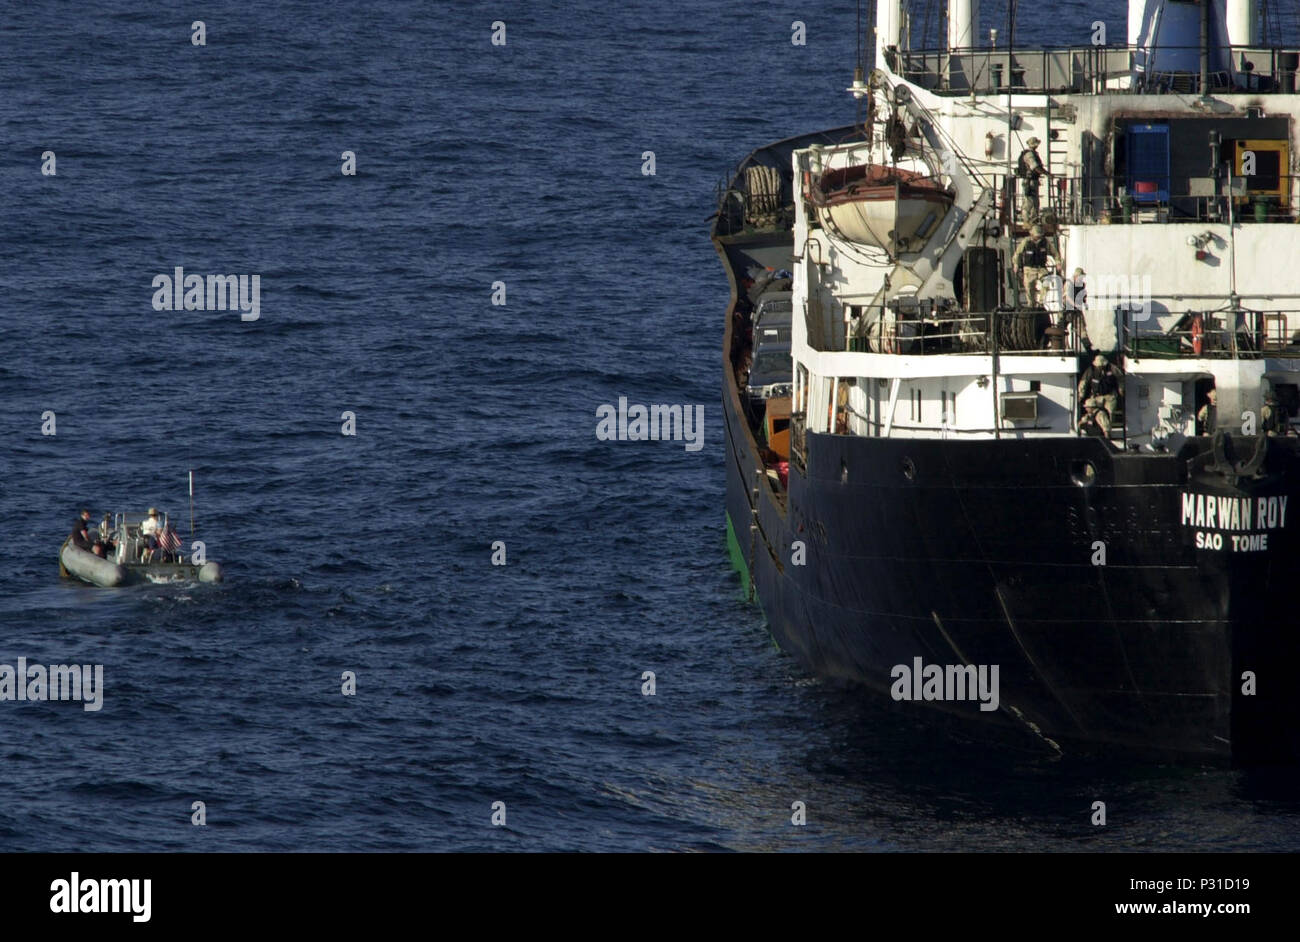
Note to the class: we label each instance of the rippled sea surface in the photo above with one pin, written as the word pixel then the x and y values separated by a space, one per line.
pixel 475 423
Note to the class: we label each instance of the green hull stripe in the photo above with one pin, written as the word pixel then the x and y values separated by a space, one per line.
pixel 737 555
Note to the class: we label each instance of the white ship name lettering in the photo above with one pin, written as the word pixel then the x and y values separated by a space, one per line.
pixel 1208 512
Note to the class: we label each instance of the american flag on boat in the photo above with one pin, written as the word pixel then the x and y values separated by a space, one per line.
pixel 168 539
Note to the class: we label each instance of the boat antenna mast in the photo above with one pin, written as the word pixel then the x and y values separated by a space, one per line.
pixel 191 503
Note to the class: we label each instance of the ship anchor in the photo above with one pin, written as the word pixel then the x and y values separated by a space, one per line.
pixel 1227 463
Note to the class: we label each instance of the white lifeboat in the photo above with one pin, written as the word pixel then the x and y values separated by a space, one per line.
pixel 886 207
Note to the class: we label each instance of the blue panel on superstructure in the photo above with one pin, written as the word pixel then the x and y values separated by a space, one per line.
pixel 1175 37
pixel 1148 163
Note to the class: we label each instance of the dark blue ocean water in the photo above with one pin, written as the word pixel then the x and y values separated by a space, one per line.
pixel 474 424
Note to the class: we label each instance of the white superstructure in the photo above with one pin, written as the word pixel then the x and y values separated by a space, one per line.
pixel 1172 190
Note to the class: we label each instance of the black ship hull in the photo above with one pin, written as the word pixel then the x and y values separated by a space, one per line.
pixel 987 553
pixel 1131 601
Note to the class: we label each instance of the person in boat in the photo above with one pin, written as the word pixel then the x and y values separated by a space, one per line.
pixel 1207 417
pixel 1030 262
pixel 105 528
pixel 1100 389
pixel 1029 168
pixel 149 533
pixel 81 537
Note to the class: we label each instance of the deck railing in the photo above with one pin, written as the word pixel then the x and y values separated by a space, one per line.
pixel 1018 332
pixel 1220 335
pixel 1223 334
pixel 1088 200
pixel 1091 70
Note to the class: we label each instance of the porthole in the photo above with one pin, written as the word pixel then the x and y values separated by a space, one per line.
pixel 1083 473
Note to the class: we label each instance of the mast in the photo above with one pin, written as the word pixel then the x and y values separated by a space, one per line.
pixel 1205 50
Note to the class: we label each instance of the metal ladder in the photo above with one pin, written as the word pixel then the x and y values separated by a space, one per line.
pixel 1058 161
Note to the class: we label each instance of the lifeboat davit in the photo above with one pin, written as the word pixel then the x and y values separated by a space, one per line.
pixel 887 207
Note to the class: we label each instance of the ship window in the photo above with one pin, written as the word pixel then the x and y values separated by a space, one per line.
pixel 949 414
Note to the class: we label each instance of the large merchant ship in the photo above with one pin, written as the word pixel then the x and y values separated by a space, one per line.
pixel 1012 375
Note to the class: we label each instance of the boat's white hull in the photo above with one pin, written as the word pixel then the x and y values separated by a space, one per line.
pixel 99 571
pixel 90 568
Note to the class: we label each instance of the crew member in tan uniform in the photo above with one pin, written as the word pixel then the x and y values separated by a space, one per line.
pixel 1030 262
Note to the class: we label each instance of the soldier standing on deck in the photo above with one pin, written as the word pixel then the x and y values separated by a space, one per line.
pixel 1030 262
pixel 1029 168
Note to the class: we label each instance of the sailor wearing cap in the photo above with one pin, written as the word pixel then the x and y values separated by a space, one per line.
pixel 1030 262
pixel 1029 168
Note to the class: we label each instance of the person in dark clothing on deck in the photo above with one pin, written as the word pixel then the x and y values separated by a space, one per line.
pixel 1207 417
pixel 1273 417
